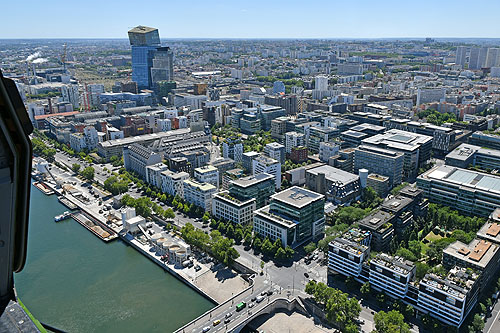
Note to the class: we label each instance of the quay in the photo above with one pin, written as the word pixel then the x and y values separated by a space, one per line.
pixel 94 226
pixel 145 250
pixel 67 203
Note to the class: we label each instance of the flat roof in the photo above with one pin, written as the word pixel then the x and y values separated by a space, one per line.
pixel 463 177
pixel 252 180
pixel 376 220
pixel 297 197
pixel 206 169
pixel 334 174
pixel 201 186
pixel 398 139
pixel 132 139
pixel 479 252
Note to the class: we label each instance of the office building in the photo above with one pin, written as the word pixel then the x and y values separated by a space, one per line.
pixel 233 148
pixel 467 155
pixel 264 164
pixel 338 186
pixel 294 216
pixel 163 66
pixel 229 208
pixel 259 187
pixel 469 192
pixel 319 134
pixel 199 194
pixel 276 151
pixel 321 83
pixel 347 253
pixel 327 150
pixel 71 95
pixel 401 208
pixel 485 140
pixel 381 161
pixel 278 87
pixel 137 157
pixel 416 149
pixel 144 42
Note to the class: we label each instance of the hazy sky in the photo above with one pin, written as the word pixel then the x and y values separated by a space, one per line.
pixel 251 18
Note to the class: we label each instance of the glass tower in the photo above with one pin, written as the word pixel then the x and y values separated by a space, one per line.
pixel 144 41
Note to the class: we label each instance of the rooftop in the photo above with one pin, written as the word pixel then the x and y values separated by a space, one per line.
pixel 252 180
pixel 398 139
pixel 396 264
pixel 465 150
pixel 334 174
pixel 297 197
pixel 457 283
pixel 396 204
pixel 201 186
pixel 377 220
pixel 139 138
pixel 349 245
pixel 206 169
pixel 479 252
pixel 264 212
pixel 462 177
pixel 377 177
pixel 142 29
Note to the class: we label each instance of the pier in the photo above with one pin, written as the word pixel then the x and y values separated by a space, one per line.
pixel 93 225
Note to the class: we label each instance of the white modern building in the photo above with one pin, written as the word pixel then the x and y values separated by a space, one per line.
pixel 391 275
pixel 86 140
pixel 327 150
pixel 229 208
pixel 347 253
pixel 137 157
pixel 173 182
pixel 207 174
pixel 153 174
pixel 264 164
pixel 199 194
pixel 294 139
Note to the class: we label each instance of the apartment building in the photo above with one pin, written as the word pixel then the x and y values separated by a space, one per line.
pixel 199 194
pixel 391 275
pixel 173 182
pixel 294 139
pixel 207 174
pixel 347 253
pixel 276 151
pixel 153 174
pixel 264 164
pixel 381 226
pixel 448 299
pixel 339 187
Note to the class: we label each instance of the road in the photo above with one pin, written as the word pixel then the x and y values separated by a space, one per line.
pixel 492 324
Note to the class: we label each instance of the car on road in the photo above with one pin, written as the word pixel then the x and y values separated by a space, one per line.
pixel 216 322
pixel 254 299
pixel 229 314
pixel 206 329
pixel 306 275
pixel 263 293
pixel 251 305
pixel 259 299
pixel 227 320
pixel 269 292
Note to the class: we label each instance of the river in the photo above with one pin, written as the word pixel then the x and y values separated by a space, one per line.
pixel 74 281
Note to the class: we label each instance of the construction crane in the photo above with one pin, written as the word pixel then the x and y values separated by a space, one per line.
pixel 63 56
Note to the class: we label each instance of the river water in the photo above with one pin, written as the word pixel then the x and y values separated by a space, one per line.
pixel 74 281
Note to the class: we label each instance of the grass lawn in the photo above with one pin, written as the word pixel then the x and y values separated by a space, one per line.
pixel 431 237
pixel 425 247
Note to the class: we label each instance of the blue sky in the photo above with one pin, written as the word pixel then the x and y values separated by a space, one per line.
pixel 251 18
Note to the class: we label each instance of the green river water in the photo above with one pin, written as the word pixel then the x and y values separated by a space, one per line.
pixel 74 281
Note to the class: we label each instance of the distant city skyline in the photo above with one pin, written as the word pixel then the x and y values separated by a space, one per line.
pixel 258 19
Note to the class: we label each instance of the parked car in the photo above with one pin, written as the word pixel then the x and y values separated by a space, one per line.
pixel 229 314
pixel 206 329
pixel 216 322
pixel 259 299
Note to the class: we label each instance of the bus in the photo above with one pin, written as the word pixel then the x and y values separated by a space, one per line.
pixel 241 306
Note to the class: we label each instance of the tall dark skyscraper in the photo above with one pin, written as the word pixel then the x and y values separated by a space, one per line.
pixel 144 41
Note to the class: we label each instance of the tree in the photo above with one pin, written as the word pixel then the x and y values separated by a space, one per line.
pixel 422 269
pixel 238 235
pixel 257 244
pixel 88 173
pixel 169 213
pixel 267 247
pixel 406 254
pixel 309 248
pixel 477 323
pixel 280 254
pixel 248 239
pixel 390 322
pixel 289 252
pixel 365 288
pixel 75 167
